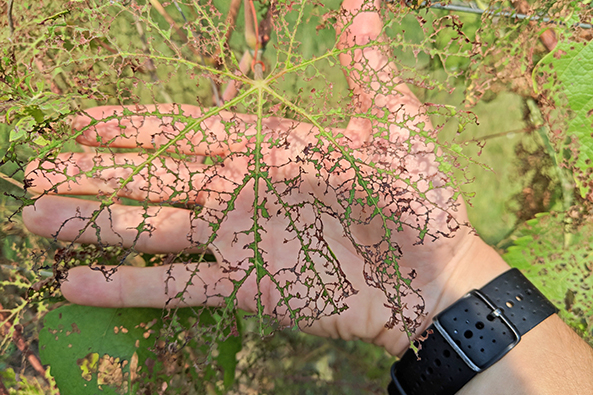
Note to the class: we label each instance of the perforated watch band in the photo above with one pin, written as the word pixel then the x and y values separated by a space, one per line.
pixel 470 336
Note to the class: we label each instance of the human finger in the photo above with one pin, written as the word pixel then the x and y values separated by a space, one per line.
pixel 203 284
pixel 167 286
pixel 131 175
pixel 153 126
pixel 149 127
pixel 370 74
pixel 146 229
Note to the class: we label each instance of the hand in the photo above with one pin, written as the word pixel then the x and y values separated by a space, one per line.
pixel 315 241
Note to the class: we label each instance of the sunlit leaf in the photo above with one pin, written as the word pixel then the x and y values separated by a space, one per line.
pixel 92 349
pixel 570 70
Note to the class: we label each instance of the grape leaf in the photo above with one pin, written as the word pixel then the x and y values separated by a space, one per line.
pixel 563 274
pixel 570 67
pixel 91 349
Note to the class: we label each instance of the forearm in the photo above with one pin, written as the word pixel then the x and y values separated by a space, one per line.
pixel 549 359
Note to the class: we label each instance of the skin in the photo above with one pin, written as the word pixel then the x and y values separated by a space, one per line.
pixel 431 261
pixel 445 267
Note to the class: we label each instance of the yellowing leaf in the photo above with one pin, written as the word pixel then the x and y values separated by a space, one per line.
pixel 88 365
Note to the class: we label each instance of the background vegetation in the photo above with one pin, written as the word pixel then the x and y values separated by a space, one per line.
pixel 511 99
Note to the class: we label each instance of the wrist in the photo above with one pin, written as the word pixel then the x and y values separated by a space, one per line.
pixel 472 264
pixel 471 336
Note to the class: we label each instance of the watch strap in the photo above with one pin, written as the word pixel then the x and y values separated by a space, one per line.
pixel 470 335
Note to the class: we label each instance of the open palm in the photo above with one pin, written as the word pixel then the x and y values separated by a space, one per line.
pixel 304 221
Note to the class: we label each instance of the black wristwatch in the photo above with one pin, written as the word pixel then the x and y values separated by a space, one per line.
pixel 470 336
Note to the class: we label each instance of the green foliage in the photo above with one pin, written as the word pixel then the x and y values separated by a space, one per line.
pixel 562 273
pixel 22 386
pixel 91 349
pixel 115 351
pixel 569 76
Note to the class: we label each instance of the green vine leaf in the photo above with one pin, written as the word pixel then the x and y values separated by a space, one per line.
pixel 115 351
pixel 563 274
pixel 93 349
pixel 569 73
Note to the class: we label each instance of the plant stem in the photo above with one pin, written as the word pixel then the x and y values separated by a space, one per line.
pixel 9 14
pixel 12 181
pixel 528 129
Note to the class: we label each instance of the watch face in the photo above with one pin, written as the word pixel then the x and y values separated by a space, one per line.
pixel 477 330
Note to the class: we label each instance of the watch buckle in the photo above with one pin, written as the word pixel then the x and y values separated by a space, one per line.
pixel 495 312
